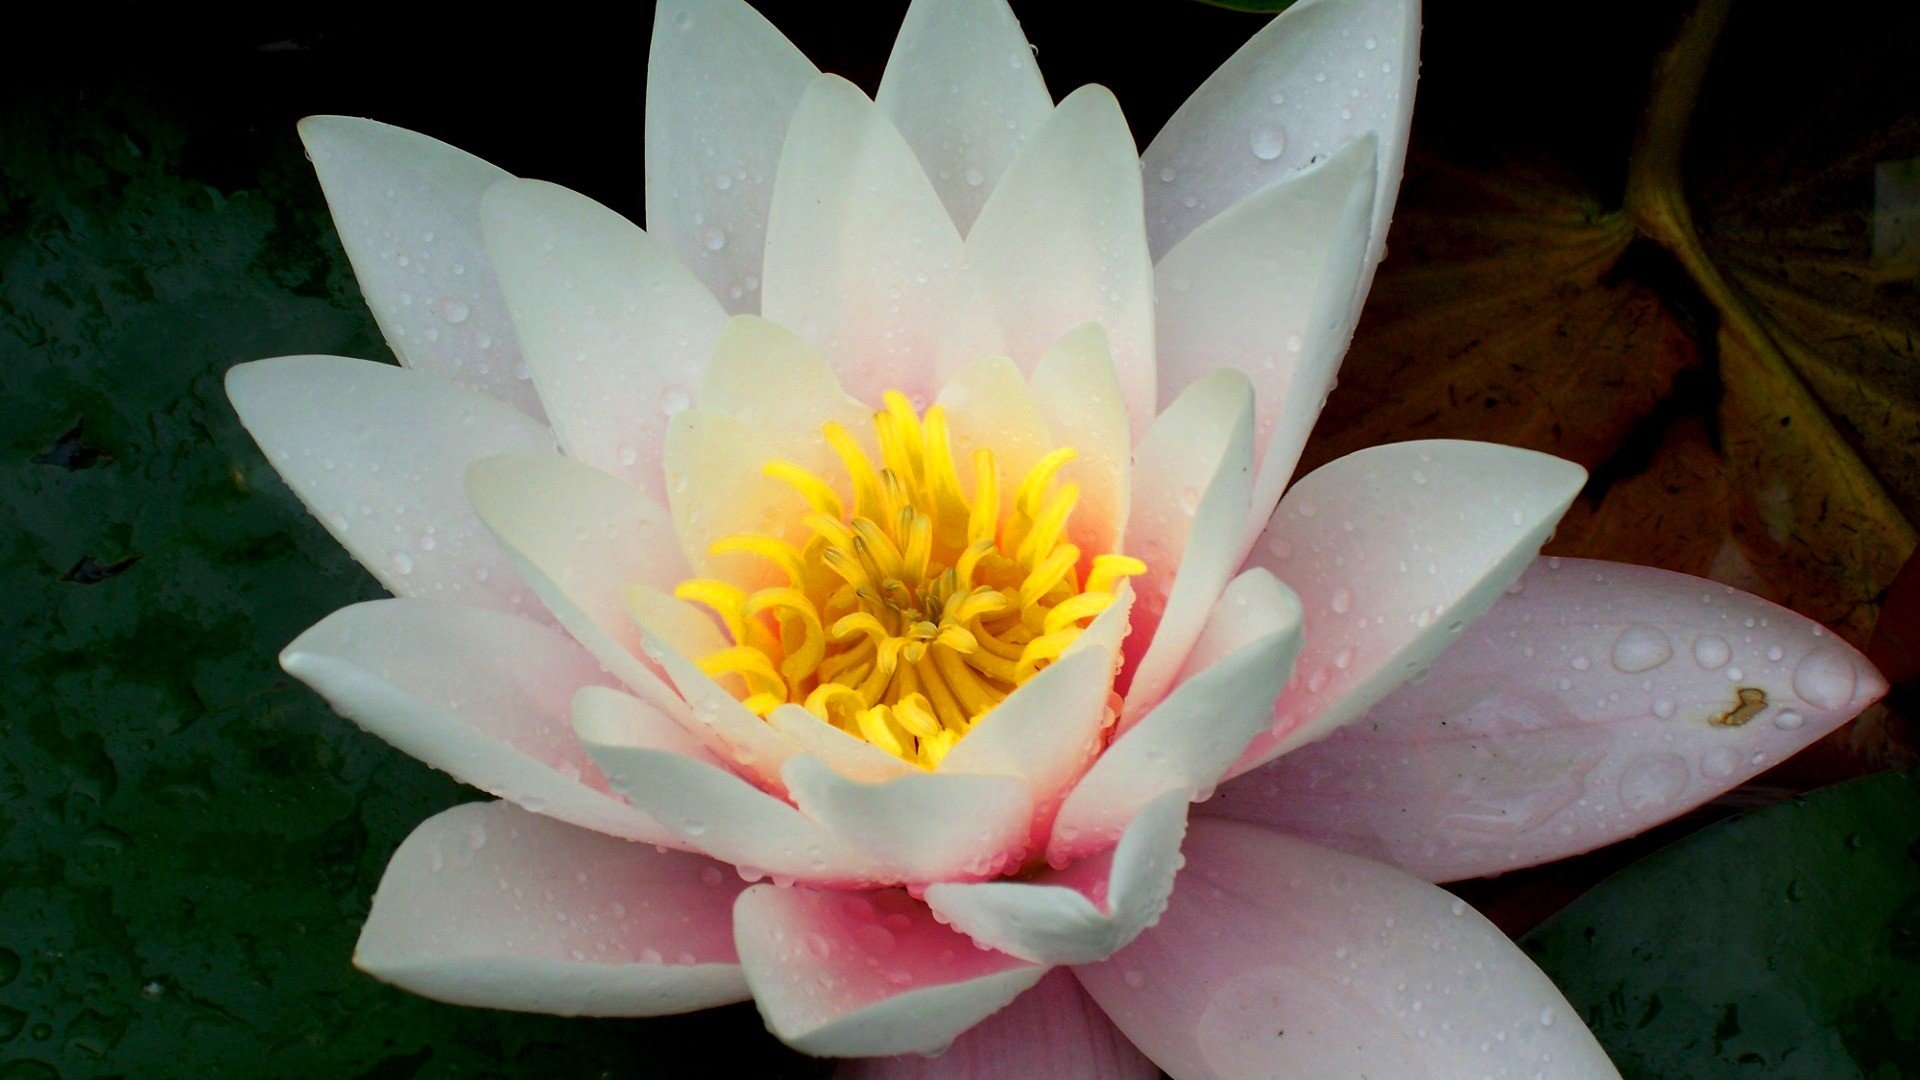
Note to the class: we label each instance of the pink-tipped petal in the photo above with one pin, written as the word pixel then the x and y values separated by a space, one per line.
pixel 965 92
pixel 576 535
pixel 709 808
pixel 1279 958
pixel 1085 912
pixel 849 974
pixel 722 86
pixel 615 330
pixel 1269 287
pixel 488 905
pixel 407 208
pixel 1322 74
pixel 860 251
pixel 483 696
pixel 1595 701
pixel 379 455
pixel 1053 1030
pixel 1192 474
pixel 1187 742
pixel 923 826
pixel 1393 550
pixel 1058 244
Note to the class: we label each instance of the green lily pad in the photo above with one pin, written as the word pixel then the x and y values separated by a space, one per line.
pixel 188 839
pixel 1784 942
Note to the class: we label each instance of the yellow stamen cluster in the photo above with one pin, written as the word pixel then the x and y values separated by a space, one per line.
pixel 907 616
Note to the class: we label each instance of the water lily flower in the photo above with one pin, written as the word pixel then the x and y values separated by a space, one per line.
pixel 869 590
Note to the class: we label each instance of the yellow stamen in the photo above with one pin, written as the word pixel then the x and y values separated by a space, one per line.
pixel 912 610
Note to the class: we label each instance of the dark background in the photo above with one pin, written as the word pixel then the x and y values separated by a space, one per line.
pixel 190 840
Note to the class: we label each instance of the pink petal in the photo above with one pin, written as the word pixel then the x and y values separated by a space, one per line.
pixel 576 535
pixel 722 85
pixel 488 905
pixel 860 251
pixel 1578 711
pixel 615 330
pixel 1269 287
pixel 1191 477
pixel 922 826
pixel 1059 244
pixel 1053 1030
pixel 1393 550
pixel 850 974
pixel 408 211
pixel 379 454
pixel 1321 75
pixel 963 88
pixel 483 696
pixel 1085 912
pixel 1188 741
pixel 706 806
pixel 1278 958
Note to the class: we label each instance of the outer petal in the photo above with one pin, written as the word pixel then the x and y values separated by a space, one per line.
pixel 577 536
pixel 709 808
pixel 481 695
pixel 922 826
pixel 1270 287
pixel 722 85
pixel 1076 391
pixel 1192 473
pixel 486 904
pixel 1393 551
pixel 859 249
pixel 1188 742
pixel 1058 244
pixel 1086 912
pixel 378 454
pixel 963 88
pixel 1593 701
pixel 1053 1030
pixel 861 974
pixel 615 330
pixel 1278 958
pixel 1320 75
pixel 408 211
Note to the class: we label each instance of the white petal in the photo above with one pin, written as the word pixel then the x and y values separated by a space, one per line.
pixel 1591 702
pixel 615 330
pixel 578 536
pixel 1053 1030
pixel 1060 243
pixel 1187 742
pixel 1076 391
pixel 963 88
pixel 1269 287
pixel 988 407
pixel 607 717
pixel 1319 76
pixel 1191 476
pixel 853 758
pixel 717 488
pixel 1393 550
pixel 853 974
pixel 484 696
pixel 860 251
pixel 921 826
pixel 722 85
pixel 714 811
pixel 768 378
pixel 1278 958
pixel 408 211
pixel 1050 727
pixel 1088 911
pixel 488 905
pixel 379 454
pixel 674 634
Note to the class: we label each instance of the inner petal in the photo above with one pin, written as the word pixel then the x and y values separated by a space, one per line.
pixel 914 605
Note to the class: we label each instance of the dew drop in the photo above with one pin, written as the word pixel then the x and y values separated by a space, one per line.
pixel 1652 780
pixel 1342 601
pixel 1788 720
pixel 1711 651
pixel 1641 648
pixel 1267 142
pixel 675 399
pixel 715 240
pixel 974 177
pixel 1824 678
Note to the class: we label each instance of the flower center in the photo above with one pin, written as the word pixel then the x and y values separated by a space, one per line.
pixel 908 616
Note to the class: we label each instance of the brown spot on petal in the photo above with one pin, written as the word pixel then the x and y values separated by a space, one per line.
pixel 1751 699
